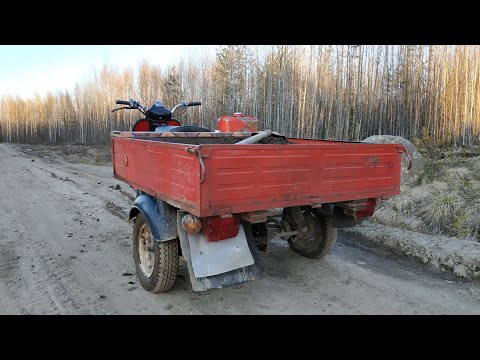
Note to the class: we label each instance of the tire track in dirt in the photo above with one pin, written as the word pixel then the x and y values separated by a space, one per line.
pixel 46 282
pixel 51 282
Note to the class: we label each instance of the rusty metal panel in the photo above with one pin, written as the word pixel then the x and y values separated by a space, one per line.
pixel 255 217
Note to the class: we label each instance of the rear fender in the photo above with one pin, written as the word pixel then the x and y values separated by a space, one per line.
pixel 160 216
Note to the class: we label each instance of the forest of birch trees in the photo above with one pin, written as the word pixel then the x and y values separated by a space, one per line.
pixel 342 92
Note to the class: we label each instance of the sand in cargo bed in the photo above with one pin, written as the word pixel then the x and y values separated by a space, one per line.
pixel 220 140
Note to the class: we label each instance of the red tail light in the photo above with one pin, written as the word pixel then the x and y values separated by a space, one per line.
pixel 369 209
pixel 216 228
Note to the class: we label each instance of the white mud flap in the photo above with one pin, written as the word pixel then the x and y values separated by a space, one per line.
pixel 217 257
pixel 213 265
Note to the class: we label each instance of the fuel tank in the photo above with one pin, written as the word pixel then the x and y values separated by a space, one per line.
pixel 237 122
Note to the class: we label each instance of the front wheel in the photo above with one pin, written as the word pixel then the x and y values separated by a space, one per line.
pixel 320 238
pixel 156 262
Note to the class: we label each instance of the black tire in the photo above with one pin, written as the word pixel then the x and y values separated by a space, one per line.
pixel 190 128
pixel 320 238
pixel 165 263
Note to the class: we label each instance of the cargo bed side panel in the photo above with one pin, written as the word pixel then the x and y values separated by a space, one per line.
pixel 167 172
pixel 255 179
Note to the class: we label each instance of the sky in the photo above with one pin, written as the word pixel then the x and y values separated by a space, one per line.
pixel 29 69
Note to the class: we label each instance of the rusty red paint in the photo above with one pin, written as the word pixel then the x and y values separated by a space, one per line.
pixel 256 177
pixel 255 216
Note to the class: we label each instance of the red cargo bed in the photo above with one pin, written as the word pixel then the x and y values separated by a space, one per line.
pixel 219 179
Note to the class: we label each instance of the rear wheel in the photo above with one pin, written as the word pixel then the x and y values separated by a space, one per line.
pixel 156 262
pixel 318 240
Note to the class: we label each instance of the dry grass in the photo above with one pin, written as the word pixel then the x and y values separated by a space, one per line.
pixel 440 213
pixel 448 205
pixel 458 173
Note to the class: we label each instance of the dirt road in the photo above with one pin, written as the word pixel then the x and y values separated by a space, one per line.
pixel 65 248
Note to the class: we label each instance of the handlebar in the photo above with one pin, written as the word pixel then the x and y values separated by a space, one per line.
pixel 184 105
pixel 131 104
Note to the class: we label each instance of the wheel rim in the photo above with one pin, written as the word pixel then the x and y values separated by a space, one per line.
pixel 146 253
